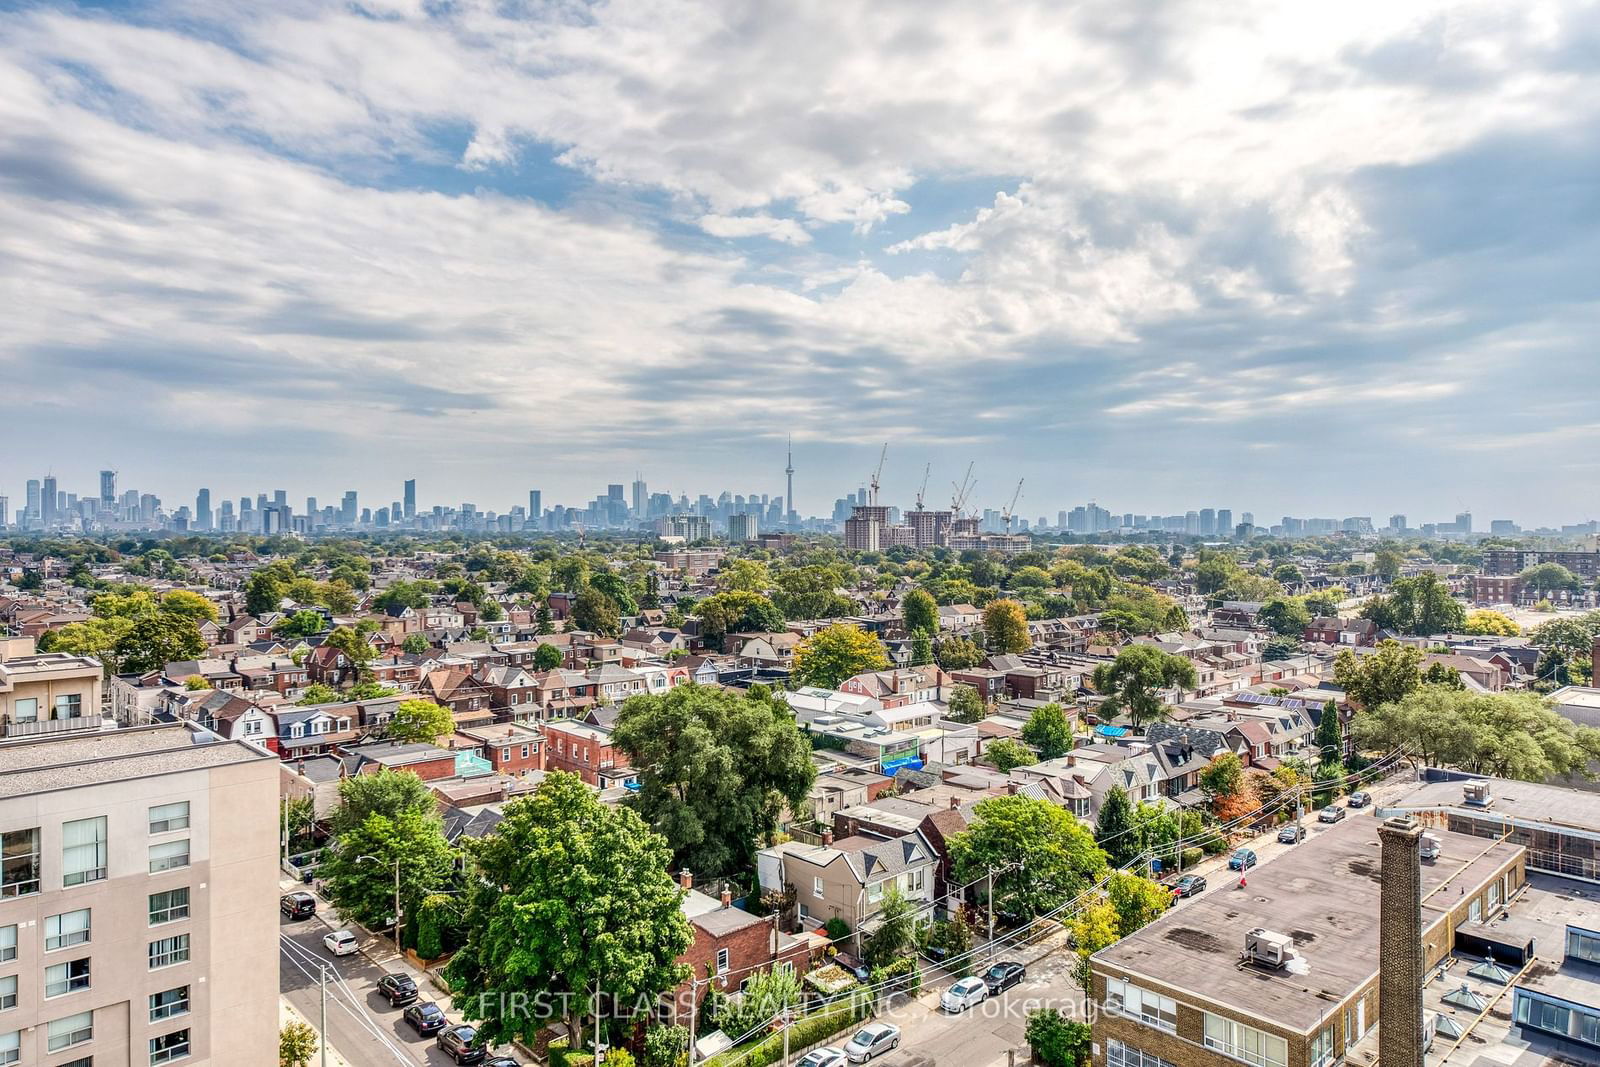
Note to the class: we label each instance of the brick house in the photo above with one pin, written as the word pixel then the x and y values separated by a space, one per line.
pixel 895 689
pixel 586 751
pixel 428 762
pixel 511 748
pixel 730 946
pixel 1362 633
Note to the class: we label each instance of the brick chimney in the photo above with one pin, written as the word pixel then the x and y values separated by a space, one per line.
pixel 727 896
pixel 1013 788
pixel 827 837
pixel 686 878
pixel 1400 958
pixel 955 802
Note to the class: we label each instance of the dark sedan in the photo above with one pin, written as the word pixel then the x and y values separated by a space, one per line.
pixel 426 1018
pixel 457 1043
pixel 397 989
pixel 1189 885
pixel 1004 975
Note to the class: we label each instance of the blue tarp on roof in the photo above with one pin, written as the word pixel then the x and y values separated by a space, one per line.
pixel 1111 731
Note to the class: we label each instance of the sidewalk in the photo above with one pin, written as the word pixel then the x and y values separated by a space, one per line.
pixel 287 1014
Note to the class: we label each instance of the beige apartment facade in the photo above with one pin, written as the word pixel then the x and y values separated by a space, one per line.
pixel 138 882
pixel 38 689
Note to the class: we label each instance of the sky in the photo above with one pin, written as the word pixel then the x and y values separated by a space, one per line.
pixel 1283 257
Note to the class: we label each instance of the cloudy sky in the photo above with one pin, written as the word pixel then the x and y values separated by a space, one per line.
pixel 1325 259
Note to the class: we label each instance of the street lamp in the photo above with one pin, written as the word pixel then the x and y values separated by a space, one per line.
pixel 374 859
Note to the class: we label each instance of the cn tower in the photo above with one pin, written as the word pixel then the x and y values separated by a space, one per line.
pixel 793 519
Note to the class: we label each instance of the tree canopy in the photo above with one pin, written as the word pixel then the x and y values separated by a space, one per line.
pixel 570 896
pixel 388 793
pixel 420 720
pixel 1379 677
pixel 1508 735
pixel 835 653
pixel 1041 855
pixel 1133 682
pixel 1421 604
pixel 921 611
pixel 1006 624
pixel 1048 732
pixel 716 770
pixel 1494 623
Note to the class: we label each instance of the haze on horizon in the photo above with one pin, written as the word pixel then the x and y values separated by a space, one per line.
pixel 1270 256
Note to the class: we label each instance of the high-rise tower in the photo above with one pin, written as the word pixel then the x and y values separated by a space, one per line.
pixel 793 519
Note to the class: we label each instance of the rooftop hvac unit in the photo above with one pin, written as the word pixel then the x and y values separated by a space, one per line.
pixel 1477 794
pixel 1428 849
pixel 1268 948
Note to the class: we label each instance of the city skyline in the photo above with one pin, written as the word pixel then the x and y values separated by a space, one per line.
pixel 1310 263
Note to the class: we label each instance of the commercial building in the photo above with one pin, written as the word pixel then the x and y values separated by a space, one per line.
pixel 137 898
pixel 1283 970
pixel 1509 561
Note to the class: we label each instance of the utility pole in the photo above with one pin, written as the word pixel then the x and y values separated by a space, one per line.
pixel 322 1033
pixel 398 950
pixel 694 1016
pixel 991 912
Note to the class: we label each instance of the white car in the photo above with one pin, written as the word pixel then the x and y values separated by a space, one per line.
pixel 824 1057
pixel 871 1041
pixel 340 942
pixel 963 995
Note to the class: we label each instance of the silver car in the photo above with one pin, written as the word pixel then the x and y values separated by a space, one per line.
pixel 871 1041
pixel 824 1057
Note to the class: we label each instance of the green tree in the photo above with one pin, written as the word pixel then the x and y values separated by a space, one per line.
pixel 1330 734
pixel 766 994
pixel 189 605
pixel 957 654
pixel 356 648
pixel 1093 928
pixel 318 693
pixel 1379 677
pixel 1546 578
pixel 297 1043
pixel 412 595
pixel 419 720
pixel 1114 829
pixel 1223 776
pixel 716 771
pixel 301 624
pixel 1213 573
pixel 744 576
pixel 1047 732
pixel 921 649
pixel 155 639
pixel 1042 856
pixel 1057 1041
pixel 263 593
pixel 737 612
pixel 1443 674
pixel 595 612
pixel 414 644
pixel 570 896
pixel 387 793
pixel 364 889
pixel 547 657
pixel 1137 900
pixel 1006 624
pixel 1287 574
pixel 664 1046
pixel 1134 681
pixel 966 705
pixel 96 637
pixel 921 612
pixel 1507 735
pixel 835 653
pixel 1386 563
pixel 1421 604
pixel 542 623
pixel 1285 615
pixel 897 920
pixel 337 596
pixel 1007 754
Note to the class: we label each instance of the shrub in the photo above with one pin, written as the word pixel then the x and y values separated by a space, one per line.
pixel 1057 1041
pixel 1192 856
pixel 951 939
pixel 811 1030
pixel 619 1057
pixel 900 976
pixel 836 929
pixel 664 1046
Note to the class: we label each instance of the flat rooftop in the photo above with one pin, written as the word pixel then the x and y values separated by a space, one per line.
pixel 1530 802
pixel 1324 895
pixel 51 762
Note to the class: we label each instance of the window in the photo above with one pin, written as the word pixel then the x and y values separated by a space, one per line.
pixel 875 892
pixel 171 1003
pixel 505 755
pixel 1542 1014
pixel 11 1047
pixel 83 851
pixel 916 880
pixel 344 724
pixel 169 906
pixel 168 817
pixel 171 1046
pixel 19 862
pixel 81 1061
pixel 169 950
pixel 169 856
pixel 8 943
pixel 252 727
pixel 8 992
pixel 1120 1055
pixel 1321 1049
pixel 62 978
pixel 722 961
pixel 73 1030
pixel 1581 944
pixel 68 928
pixel 1475 910
pixel 524 751
pixel 1245 1042
pixel 25 709
pixel 1141 1004
pixel 69 706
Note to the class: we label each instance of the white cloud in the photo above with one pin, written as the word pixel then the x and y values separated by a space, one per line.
pixel 786 231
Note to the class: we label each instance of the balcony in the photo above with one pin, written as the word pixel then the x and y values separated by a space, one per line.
pixel 42 727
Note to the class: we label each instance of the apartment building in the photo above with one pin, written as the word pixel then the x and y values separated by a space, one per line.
pixel 138 871
pixel 42 690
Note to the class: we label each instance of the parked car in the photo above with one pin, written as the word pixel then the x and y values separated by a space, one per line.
pixel 1292 834
pixel 1242 860
pixel 1331 813
pixel 872 1040
pixel 1003 975
pixel 507 1061
pixel 963 994
pixel 827 1056
pixel 457 1043
pixel 397 989
pixel 425 1017
pixel 298 905
pixel 1188 886
pixel 340 942
pixel 1359 799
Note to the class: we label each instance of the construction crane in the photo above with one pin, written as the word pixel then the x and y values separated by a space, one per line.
pixel 1007 515
pixel 958 499
pixel 924 490
pixel 878 474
